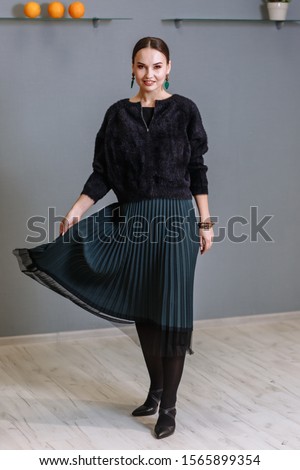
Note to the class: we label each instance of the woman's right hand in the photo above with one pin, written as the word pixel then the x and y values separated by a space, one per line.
pixel 67 222
pixel 74 215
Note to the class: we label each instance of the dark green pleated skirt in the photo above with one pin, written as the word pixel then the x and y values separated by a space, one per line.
pixel 130 262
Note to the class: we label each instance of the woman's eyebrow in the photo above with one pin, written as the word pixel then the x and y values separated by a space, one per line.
pixel 157 63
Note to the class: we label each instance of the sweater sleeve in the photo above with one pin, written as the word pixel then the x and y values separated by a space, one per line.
pixel 198 143
pixel 97 184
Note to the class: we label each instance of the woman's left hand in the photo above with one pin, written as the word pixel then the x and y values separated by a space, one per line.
pixel 206 240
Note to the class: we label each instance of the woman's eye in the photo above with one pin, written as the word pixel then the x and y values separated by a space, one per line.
pixel 140 66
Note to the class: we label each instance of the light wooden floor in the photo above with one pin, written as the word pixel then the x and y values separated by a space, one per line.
pixel 240 390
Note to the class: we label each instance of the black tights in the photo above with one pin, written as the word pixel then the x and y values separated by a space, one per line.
pixel 165 372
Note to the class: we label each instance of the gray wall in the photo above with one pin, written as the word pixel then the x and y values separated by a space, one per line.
pixel 57 81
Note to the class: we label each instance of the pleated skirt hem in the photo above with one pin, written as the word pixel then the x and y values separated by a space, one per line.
pixel 121 279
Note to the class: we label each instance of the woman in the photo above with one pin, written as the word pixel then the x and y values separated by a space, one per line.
pixel 134 260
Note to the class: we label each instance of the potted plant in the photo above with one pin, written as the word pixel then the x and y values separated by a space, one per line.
pixel 277 10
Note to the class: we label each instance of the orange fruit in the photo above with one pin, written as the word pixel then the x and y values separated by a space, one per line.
pixel 76 9
pixel 56 9
pixel 32 9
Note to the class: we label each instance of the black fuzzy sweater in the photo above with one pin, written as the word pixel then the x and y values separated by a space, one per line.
pixel 164 160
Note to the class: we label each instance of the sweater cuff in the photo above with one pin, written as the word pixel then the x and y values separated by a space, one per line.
pixel 199 190
pixel 199 182
pixel 95 187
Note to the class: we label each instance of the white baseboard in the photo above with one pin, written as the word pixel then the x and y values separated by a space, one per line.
pixel 61 336
pixel 114 332
pixel 245 319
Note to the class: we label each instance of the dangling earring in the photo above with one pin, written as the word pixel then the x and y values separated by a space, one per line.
pixel 132 80
pixel 167 84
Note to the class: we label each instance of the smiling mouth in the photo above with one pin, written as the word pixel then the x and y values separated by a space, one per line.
pixel 149 82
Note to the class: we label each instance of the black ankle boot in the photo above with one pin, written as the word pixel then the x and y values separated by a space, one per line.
pixel 165 425
pixel 151 404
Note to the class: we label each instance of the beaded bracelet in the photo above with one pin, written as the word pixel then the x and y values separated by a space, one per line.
pixel 206 225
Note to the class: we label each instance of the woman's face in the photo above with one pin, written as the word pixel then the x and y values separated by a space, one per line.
pixel 150 69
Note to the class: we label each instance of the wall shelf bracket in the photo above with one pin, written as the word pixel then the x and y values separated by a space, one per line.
pixel 177 23
pixel 96 22
pixel 279 24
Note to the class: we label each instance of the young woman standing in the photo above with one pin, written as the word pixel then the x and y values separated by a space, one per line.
pixel 134 261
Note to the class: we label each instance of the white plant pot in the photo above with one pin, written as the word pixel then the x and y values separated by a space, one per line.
pixel 277 10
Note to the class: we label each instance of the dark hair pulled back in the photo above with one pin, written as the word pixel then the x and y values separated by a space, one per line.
pixel 153 43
